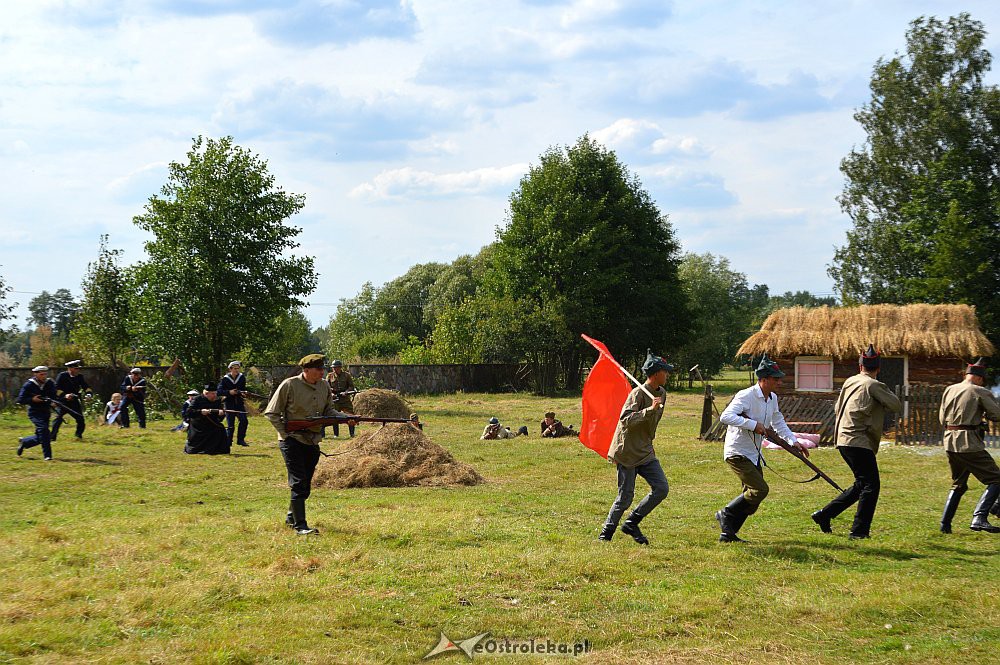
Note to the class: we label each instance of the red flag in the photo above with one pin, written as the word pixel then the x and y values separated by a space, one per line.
pixel 604 393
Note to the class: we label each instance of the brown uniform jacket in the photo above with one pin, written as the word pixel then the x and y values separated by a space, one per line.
pixel 295 399
pixel 860 412
pixel 339 384
pixel 965 404
pixel 632 443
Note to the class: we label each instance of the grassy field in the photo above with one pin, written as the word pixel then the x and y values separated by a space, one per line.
pixel 125 550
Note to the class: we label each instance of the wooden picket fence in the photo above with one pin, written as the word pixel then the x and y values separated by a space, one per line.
pixel 920 425
pixel 803 414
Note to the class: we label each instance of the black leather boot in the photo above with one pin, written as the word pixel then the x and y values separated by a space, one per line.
pixel 631 528
pixel 950 508
pixel 607 531
pixel 979 521
pixel 731 519
pixel 823 521
pixel 290 517
pixel 299 515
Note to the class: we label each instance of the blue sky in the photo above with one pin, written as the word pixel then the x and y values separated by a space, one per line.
pixel 407 124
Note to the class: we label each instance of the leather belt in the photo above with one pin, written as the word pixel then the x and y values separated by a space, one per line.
pixel 966 428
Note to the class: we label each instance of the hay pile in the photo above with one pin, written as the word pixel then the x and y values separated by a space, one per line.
pixel 396 455
pixel 378 403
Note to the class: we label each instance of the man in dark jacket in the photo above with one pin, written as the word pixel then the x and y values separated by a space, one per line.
pixel 232 388
pixel 133 391
pixel 70 388
pixel 35 394
pixel 206 434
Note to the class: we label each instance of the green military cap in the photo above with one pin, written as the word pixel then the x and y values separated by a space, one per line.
pixel 768 368
pixel 313 360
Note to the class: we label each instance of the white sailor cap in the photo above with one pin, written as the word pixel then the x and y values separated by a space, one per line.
pixel 40 368
pixel 235 363
pixel 135 370
pixel 73 363
pixel 192 392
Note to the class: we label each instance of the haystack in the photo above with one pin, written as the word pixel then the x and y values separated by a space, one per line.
pixel 379 403
pixel 397 455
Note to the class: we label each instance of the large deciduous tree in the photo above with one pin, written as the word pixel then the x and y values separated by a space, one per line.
pixel 56 311
pixel 219 273
pixel 588 251
pixel 923 191
pixel 6 311
pixel 102 331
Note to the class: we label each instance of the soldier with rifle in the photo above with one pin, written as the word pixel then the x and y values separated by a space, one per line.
pixel 752 413
pixel 233 388
pixel 963 407
pixel 342 386
pixel 206 434
pixel 860 415
pixel 133 391
pixel 71 386
pixel 299 398
pixel 38 393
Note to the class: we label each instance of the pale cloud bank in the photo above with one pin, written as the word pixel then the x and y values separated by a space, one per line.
pixel 408 182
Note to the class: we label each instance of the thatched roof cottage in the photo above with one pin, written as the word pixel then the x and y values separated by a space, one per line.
pixel 920 344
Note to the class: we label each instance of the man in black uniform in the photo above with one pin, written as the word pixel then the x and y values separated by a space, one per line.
pixel 35 394
pixel 232 388
pixel 70 387
pixel 206 434
pixel 133 391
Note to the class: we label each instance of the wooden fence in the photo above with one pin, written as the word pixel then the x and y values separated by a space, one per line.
pixel 919 424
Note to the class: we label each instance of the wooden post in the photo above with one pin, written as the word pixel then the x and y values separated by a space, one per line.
pixel 706 411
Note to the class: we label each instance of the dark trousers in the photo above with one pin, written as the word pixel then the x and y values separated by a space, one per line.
pixel 864 491
pixel 41 435
pixel 300 461
pixel 241 432
pixel 61 413
pixel 336 429
pixel 979 464
pixel 653 474
pixel 140 412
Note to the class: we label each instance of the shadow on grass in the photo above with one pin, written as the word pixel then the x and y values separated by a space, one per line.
pixel 86 460
pixel 958 550
pixel 797 552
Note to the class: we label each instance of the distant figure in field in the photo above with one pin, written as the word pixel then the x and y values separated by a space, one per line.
pixel 134 393
pixel 494 430
pixel 206 434
pixel 37 393
pixel 70 389
pixel 553 429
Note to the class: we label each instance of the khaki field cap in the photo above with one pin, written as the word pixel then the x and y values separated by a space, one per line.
pixel 313 361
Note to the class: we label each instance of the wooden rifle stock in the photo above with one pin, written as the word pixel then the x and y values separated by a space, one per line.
pixel 773 437
pixel 298 425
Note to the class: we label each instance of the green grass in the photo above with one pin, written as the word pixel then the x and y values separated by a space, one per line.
pixel 125 550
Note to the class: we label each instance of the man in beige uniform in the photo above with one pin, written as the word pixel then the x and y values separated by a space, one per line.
pixel 632 451
pixel 860 414
pixel 299 397
pixel 963 407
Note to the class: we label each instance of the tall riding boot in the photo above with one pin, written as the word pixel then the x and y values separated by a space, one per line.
pixel 731 519
pixel 950 508
pixel 607 531
pixel 979 521
pixel 299 515
pixel 290 517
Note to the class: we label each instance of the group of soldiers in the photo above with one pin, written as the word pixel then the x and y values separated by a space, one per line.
pixel 753 415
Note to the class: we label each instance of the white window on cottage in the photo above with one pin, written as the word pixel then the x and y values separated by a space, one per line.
pixel 814 374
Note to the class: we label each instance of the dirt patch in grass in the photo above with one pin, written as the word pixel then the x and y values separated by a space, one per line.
pixel 397 455
pixel 379 403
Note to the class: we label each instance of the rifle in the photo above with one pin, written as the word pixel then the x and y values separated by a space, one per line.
pixel 62 406
pixel 346 393
pixel 314 421
pixel 247 393
pixel 773 437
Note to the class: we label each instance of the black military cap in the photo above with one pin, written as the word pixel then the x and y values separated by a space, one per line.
pixel 977 368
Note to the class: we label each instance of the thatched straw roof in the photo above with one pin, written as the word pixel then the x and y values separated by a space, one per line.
pixel 843 332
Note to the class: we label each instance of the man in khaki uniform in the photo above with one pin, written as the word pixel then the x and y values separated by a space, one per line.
pixel 297 398
pixel 963 407
pixel 860 414
pixel 342 386
pixel 632 451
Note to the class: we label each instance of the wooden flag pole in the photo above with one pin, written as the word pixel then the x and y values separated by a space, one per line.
pixel 618 365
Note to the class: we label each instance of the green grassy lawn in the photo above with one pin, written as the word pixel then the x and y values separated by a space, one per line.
pixel 125 550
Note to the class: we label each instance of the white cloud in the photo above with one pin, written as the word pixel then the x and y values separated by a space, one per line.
pixel 408 182
pixel 647 136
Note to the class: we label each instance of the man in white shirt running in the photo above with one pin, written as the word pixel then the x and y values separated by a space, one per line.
pixel 748 416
